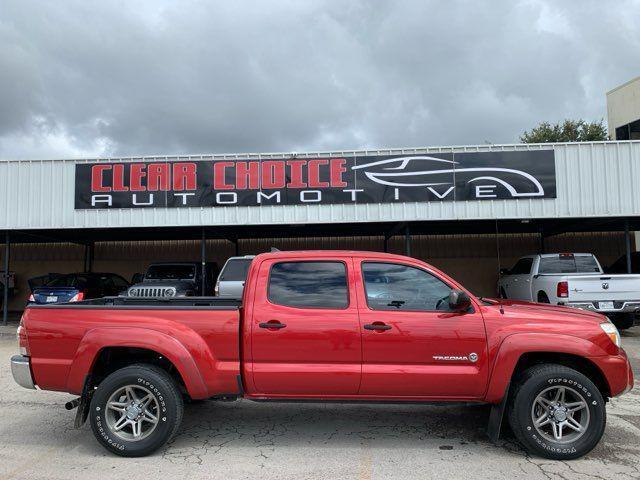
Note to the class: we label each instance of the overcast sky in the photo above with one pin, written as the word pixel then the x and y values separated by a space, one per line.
pixel 83 78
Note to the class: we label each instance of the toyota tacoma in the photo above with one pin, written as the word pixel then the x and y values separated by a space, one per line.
pixel 328 326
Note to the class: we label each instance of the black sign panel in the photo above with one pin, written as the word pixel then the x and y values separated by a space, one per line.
pixel 360 179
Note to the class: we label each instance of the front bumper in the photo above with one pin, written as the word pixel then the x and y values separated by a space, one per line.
pixel 617 371
pixel 21 371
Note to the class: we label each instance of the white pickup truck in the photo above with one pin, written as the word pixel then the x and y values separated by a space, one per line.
pixel 573 280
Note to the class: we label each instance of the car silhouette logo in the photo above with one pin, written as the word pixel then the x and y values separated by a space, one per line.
pixel 427 171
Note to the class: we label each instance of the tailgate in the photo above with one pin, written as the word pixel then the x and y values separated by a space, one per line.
pixel 603 287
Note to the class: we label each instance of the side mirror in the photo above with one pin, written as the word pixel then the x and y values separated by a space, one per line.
pixel 459 301
pixel 504 271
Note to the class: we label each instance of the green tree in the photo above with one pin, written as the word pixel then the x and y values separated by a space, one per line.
pixel 567 131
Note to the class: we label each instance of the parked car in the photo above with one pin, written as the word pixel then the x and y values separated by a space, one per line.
pixel 74 287
pixel 574 280
pixel 620 265
pixel 320 326
pixel 231 280
pixel 175 279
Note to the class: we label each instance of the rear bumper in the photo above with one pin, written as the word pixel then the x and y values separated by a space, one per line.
pixel 21 371
pixel 617 371
pixel 619 307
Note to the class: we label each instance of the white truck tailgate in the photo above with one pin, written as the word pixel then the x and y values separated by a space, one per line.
pixel 603 287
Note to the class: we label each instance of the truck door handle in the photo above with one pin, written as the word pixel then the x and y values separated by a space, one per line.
pixel 272 324
pixel 377 326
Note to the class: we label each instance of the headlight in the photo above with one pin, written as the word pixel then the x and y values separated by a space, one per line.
pixel 611 330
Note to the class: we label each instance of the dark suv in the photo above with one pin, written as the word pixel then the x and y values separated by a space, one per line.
pixel 176 279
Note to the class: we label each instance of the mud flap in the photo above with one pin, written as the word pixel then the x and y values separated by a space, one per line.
pixel 496 416
pixel 85 400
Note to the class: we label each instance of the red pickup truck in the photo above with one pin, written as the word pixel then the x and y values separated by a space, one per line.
pixel 328 326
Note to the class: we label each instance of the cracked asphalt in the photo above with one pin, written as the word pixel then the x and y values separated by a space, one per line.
pixel 303 441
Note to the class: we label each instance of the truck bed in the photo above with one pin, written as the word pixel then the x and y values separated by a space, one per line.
pixel 65 338
pixel 213 303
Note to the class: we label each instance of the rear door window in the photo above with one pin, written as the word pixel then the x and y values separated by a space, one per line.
pixel 522 267
pixel 309 285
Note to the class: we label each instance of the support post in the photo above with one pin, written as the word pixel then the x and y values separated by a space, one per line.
pixel 627 244
pixel 203 259
pixel 5 302
pixel 91 250
pixel 386 244
pixel 542 246
pixel 407 241
pixel 85 267
pixel 236 242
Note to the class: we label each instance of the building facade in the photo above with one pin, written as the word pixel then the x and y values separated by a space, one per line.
pixel 469 210
pixel 623 111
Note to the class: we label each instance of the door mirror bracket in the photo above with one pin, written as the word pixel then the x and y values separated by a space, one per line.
pixel 459 301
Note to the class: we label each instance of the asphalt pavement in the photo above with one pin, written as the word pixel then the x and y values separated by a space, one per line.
pixel 302 441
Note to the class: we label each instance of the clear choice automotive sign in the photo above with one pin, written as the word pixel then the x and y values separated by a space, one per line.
pixel 361 179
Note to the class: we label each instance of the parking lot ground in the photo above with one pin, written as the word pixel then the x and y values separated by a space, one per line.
pixel 303 441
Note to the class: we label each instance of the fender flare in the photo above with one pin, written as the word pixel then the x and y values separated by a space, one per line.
pixel 518 344
pixel 168 346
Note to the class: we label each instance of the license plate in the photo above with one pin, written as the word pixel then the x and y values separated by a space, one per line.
pixel 606 305
pixel 51 299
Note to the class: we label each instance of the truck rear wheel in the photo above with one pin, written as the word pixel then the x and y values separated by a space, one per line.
pixel 136 410
pixel 557 412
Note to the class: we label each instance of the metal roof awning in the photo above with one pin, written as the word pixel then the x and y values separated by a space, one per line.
pixel 545 227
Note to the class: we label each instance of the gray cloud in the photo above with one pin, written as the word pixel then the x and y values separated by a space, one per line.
pixel 107 78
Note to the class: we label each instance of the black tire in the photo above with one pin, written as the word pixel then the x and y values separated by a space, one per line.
pixel 542 298
pixel 539 379
pixel 168 408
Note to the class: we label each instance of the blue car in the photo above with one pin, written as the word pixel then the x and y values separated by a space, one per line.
pixel 74 287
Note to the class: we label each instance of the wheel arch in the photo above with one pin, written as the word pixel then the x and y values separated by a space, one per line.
pixel 576 362
pixel 109 359
pixel 520 351
pixel 127 346
pixel 541 293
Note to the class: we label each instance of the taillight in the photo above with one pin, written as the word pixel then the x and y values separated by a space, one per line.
pixel 216 289
pixel 23 343
pixel 78 297
pixel 562 290
pixel 32 298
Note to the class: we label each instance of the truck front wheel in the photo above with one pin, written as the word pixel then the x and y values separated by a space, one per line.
pixel 557 412
pixel 136 410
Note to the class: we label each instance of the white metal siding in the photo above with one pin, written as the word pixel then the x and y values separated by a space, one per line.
pixel 593 180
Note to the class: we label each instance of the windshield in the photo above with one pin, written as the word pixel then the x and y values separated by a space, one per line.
pixel 163 272
pixel 235 270
pixel 569 264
